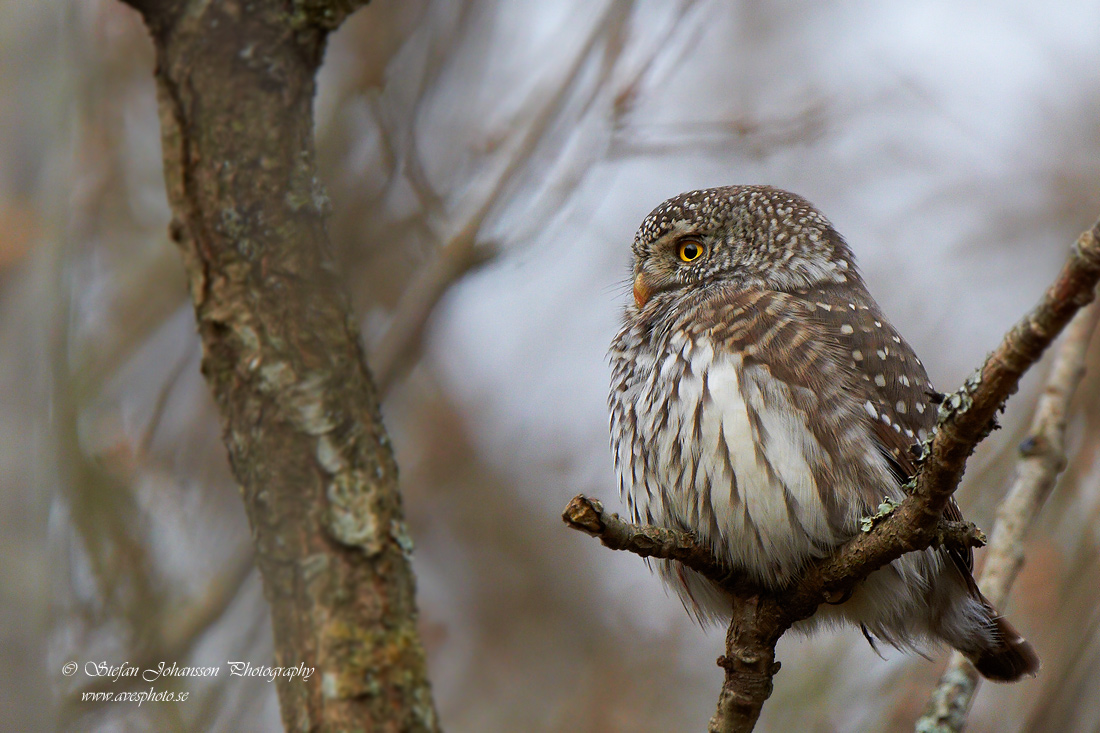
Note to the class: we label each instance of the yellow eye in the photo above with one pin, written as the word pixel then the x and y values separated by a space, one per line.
pixel 690 250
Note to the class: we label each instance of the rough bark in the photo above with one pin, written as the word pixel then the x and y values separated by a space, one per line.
pixel 965 419
pixel 281 353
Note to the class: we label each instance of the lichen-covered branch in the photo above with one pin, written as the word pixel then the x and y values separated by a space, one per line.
pixel 759 619
pixel 591 517
pixel 1042 459
pixel 754 614
pixel 966 418
pixel 281 353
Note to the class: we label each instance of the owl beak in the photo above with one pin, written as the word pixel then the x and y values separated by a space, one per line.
pixel 642 290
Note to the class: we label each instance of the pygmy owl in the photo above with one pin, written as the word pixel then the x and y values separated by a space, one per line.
pixel 761 401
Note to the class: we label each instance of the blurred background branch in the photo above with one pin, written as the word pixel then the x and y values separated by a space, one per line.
pixel 461 250
pixel 1042 459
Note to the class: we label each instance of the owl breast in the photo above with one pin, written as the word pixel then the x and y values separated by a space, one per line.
pixel 705 442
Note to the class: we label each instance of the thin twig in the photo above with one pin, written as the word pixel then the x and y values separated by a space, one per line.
pixel 757 136
pixel 161 403
pixel 450 263
pixel 466 248
pixel 1042 459
pixel 589 516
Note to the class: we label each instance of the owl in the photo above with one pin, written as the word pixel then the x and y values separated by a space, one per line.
pixel 761 401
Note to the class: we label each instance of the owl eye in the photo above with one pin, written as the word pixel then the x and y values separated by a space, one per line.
pixel 689 250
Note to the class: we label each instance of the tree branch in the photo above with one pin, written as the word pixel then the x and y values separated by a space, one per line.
pixel 1042 459
pixel 589 516
pixel 282 356
pixel 965 418
pixel 464 250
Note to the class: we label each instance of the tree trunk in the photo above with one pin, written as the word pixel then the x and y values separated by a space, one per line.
pixel 281 352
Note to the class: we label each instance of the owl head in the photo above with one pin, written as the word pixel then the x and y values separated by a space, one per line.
pixel 749 236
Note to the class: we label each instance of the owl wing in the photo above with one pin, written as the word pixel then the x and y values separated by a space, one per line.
pixel 849 373
pixel 795 365
pixel 891 378
pixel 890 375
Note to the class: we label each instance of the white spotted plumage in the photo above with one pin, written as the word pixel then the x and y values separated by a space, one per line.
pixel 760 401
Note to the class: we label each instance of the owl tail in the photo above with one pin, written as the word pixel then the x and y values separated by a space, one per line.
pixel 1010 658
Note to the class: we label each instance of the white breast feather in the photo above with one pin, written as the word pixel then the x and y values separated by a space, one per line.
pixel 790 449
pixel 671 496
